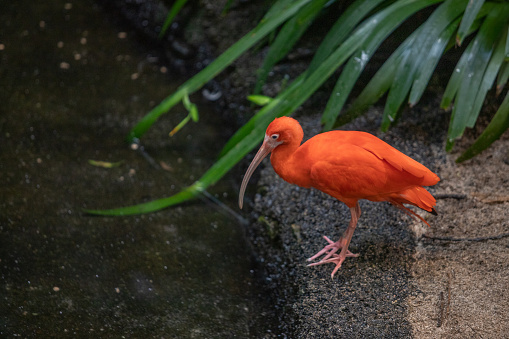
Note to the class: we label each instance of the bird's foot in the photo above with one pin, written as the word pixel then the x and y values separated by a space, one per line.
pixel 335 259
pixel 332 248
pixel 331 256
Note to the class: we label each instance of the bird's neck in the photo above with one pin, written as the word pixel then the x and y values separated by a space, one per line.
pixel 285 164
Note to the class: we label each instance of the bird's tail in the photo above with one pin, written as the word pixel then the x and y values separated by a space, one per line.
pixel 417 196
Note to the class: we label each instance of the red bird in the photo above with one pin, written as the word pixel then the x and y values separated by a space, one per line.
pixel 348 166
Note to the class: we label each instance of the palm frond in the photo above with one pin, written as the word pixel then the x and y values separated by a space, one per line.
pixel 350 44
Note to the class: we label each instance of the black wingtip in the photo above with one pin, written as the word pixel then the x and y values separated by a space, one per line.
pixel 433 211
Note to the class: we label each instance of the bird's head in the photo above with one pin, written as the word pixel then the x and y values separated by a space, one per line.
pixel 284 130
pixel 281 131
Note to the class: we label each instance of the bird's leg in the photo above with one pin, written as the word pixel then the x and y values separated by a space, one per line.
pixel 342 243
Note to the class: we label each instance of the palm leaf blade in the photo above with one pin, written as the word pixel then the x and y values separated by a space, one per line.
pixel 417 56
pixel 151 206
pixel 175 9
pixel 503 76
pixel 270 22
pixel 507 45
pixel 389 18
pixel 377 86
pixel 471 12
pixel 489 78
pixel 291 32
pixel 341 29
pixel 464 113
pixel 497 126
pixel 430 63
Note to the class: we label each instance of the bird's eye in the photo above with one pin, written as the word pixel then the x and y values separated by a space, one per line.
pixel 274 136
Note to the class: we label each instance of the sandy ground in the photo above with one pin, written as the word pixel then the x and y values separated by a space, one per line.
pixel 465 283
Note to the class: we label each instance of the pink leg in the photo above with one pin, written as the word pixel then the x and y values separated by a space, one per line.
pixel 343 243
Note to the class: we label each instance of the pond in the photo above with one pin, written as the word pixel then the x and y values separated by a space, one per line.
pixel 72 85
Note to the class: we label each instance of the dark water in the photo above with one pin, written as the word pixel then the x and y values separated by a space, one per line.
pixel 72 84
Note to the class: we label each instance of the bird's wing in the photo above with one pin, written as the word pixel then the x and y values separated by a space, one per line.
pixel 354 173
pixel 351 174
pixel 399 161
pixel 348 148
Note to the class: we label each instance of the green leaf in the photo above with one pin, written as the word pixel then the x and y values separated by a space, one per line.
pixel 260 100
pixel 278 7
pixel 485 9
pixel 417 56
pixel 488 78
pixel 429 64
pixel 456 78
pixel 380 25
pixel 457 75
pixel 226 7
pixel 351 73
pixel 191 108
pixel 507 46
pixel 471 12
pixel 193 112
pixel 397 93
pixel 186 102
pixel 352 16
pixel 180 125
pixel 497 126
pixel 104 164
pixel 503 75
pixel 151 206
pixel 341 29
pixel 377 86
pixel 465 111
pixel 285 103
pixel 279 13
pixel 358 61
pixel 175 9
pixel 290 33
pixel 347 80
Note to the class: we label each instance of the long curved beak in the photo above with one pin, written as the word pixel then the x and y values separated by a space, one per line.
pixel 264 150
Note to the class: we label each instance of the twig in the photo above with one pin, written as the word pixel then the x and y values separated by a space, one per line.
pixel 450 196
pixel 141 150
pixel 483 197
pixel 494 237
pixel 448 295
pixel 440 310
pixel 444 306
pixel 488 198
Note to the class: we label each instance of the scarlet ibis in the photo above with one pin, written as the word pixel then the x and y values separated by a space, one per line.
pixel 349 166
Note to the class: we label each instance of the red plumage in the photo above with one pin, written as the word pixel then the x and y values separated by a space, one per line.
pixel 349 166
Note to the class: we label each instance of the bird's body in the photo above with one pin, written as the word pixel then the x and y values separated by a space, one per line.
pixel 349 166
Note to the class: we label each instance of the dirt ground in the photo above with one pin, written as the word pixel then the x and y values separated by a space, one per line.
pixel 465 283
